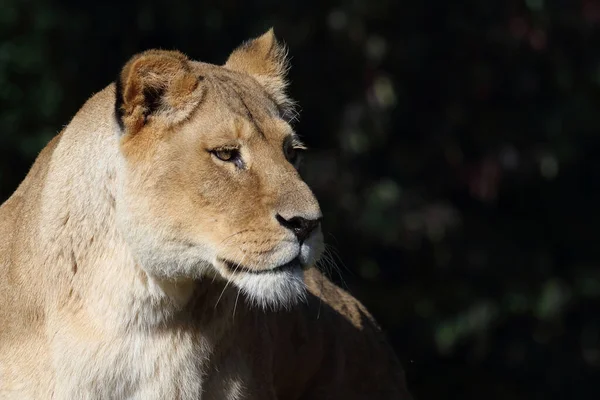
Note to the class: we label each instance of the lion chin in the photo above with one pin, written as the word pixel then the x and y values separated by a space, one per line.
pixel 275 290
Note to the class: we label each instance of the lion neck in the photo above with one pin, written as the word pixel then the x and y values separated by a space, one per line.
pixel 93 269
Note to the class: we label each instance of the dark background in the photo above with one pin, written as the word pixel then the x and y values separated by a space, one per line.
pixel 454 151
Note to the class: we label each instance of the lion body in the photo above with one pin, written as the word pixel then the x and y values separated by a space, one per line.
pixel 88 312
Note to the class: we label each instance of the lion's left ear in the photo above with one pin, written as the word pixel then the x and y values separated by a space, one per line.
pixel 264 58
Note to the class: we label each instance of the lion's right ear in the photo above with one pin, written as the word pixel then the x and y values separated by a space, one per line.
pixel 156 86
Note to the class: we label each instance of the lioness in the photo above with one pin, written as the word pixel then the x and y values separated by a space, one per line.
pixel 124 251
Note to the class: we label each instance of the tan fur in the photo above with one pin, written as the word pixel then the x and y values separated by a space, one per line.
pixel 127 253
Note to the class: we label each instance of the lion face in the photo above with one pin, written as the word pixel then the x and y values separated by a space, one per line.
pixel 208 185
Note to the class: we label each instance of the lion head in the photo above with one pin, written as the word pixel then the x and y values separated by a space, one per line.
pixel 208 184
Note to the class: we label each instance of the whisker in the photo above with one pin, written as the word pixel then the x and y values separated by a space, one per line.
pixel 336 253
pixel 235 234
pixel 235 304
pixel 223 291
pixel 320 297
pixel 238 290
pixel 229 279
pixel 328 258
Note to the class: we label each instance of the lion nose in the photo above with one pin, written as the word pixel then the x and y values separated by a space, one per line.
pixel 301 227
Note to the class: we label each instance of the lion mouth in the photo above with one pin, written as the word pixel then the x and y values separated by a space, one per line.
pixel 234 267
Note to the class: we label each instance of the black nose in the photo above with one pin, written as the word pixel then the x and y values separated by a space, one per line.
pixel 301 227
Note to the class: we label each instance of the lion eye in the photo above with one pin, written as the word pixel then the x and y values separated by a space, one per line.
pixel 227 155
pixel 291 154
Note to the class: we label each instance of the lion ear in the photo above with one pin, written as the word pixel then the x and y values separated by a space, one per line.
pixel 264 58
pixel 156 85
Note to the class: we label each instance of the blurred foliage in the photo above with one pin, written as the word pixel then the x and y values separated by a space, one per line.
pixel 455 152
